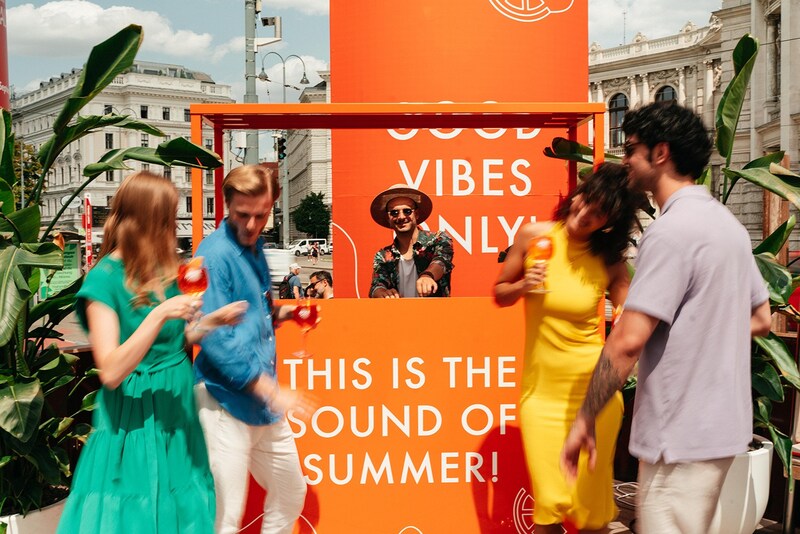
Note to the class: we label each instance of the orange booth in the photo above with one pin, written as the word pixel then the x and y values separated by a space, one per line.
pixel 416 429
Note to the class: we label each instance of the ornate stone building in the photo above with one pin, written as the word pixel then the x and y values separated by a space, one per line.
pixel 158 93
pixel 694 66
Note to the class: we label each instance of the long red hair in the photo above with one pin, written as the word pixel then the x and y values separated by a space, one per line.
pixel 141 229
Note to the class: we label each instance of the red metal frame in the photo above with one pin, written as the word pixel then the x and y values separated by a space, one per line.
pixel 220 117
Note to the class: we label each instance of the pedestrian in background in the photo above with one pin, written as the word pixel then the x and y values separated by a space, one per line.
pixel 322 282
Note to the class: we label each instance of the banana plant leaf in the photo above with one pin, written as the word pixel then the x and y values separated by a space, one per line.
pixel 705 179
pixel 783 445
pixel 23 224
pixel 775 241
pixel 86 125
pixel 784 185
pixel 730 105
pixel 106 61
pixel 55 305
pixel 21 405
pixel 7 171
pixel 767 382
pixel 762 162
pixel 14 290
pixel 562 148
pixel 777 277
pixel 176 151
pixel 774 347
pixel 7 201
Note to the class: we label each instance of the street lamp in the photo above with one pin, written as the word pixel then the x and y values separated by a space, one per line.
pixel 263 74
pixel 285 182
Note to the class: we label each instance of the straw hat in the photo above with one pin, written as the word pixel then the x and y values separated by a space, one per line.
pixel 378 207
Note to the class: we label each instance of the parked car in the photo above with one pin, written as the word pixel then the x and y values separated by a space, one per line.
pixel 300 247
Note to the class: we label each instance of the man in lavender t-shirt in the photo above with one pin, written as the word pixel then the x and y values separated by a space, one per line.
pixel 695 301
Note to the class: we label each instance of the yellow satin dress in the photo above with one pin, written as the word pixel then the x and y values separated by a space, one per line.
pixel 562 346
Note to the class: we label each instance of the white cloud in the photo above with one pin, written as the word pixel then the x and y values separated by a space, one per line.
pixel 309 7
pixel 77 25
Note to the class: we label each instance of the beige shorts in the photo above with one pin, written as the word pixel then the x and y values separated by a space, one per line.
pixel 679 497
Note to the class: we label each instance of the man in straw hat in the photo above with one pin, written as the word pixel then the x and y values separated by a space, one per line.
pixel 417 263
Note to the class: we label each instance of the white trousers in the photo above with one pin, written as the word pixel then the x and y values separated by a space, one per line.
pixel 679 498
pixel 268 452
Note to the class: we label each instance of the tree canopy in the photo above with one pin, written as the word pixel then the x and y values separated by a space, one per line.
pixel 313 216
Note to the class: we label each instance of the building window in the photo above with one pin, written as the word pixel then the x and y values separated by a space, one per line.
pixel 145 140
pixel 209 177
pixel 165 114
pixel 168 172
pixel 143 112
pixel 209 144
pixel 109 141
pixel 188 204
pixel 666 94
pixel 146 167
pixel 210 205
pixel 109 176
pixel 617 107
pixel 187 117
pixel 108 109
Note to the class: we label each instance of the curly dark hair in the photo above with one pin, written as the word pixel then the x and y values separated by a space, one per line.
pixel 667 122
pixel 607 188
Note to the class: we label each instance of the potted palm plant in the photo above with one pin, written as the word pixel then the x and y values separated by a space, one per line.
pixel 746 490
pixel 43 390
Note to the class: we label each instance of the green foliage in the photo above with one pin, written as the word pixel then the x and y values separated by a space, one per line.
pixel 42 390
pixel 312 216
pixel 773 366
pixel 730 105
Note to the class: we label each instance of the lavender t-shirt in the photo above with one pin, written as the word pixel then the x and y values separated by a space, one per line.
pixel 696 274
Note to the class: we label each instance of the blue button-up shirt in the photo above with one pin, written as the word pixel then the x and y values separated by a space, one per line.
pixel 231 357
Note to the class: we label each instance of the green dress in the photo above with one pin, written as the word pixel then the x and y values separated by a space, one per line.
pixel 145 465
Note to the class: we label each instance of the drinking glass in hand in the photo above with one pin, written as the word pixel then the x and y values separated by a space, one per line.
pixel 540 249
pixel 192 277
pixel 307 316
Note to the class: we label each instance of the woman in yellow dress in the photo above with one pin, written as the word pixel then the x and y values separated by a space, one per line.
pixel 564 339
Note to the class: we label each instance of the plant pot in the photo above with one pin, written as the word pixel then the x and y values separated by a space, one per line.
pixel 745 492
pixel 42 521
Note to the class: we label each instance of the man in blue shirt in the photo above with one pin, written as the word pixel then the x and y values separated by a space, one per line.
pixel 241 407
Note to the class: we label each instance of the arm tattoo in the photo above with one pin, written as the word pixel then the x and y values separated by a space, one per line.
pixel 604 383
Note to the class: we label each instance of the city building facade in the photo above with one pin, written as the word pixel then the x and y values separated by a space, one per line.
pixel 694 66
pixel 308 157
pixel 157 93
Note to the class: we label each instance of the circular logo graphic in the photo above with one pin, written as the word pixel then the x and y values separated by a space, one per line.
pixel 523 512
pixel 530 10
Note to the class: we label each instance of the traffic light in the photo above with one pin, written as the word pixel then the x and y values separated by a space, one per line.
pixel 281 148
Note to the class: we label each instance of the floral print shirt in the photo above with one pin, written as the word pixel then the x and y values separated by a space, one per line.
pixel 430 247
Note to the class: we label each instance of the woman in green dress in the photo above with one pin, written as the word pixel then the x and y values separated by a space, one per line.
pixel 145 466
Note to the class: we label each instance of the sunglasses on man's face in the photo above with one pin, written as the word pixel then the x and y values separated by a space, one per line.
pixel 630 147
pixel 396 213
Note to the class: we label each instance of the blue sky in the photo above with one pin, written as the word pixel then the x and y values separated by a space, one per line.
pixel 46 38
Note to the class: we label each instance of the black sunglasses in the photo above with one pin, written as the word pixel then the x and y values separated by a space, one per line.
pixel 396 213
pixel 628 148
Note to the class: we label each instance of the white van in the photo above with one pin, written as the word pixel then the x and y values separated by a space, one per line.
pixel 300 247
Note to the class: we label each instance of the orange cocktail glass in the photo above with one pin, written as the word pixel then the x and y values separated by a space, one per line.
pixel 540 249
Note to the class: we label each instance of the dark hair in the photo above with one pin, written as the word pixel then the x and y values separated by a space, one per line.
pixel 607 188
pixel 667 122
pixel 323 275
